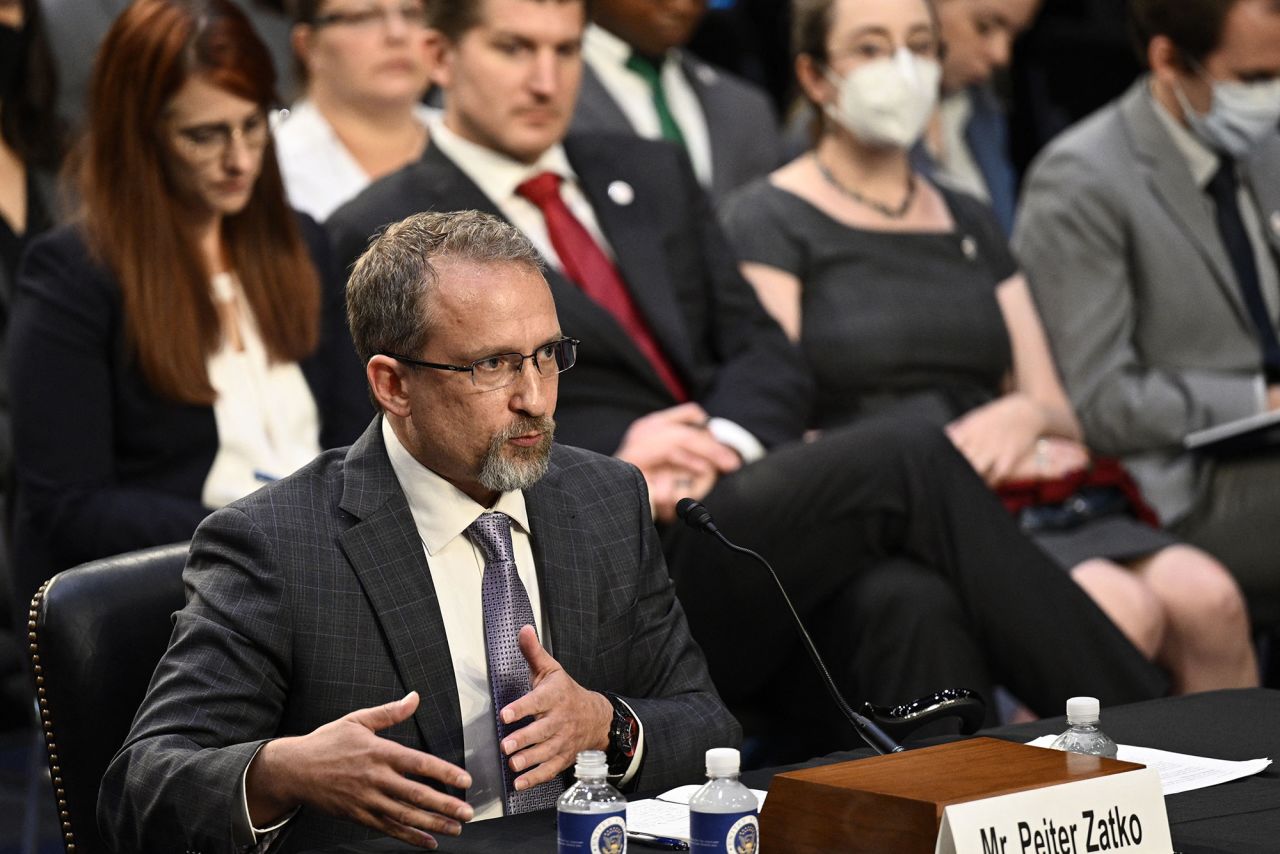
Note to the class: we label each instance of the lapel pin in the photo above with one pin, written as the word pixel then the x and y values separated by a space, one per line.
pixel 969 247
pixel 1275 223
pixel 621 193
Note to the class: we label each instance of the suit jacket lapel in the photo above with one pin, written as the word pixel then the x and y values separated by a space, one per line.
pixel 715 111
pixel 638 246
pixel 387 556
pixel 562 549
pixel 597 108
pixel 439 182
pixel 1173 184
pixel 1264 182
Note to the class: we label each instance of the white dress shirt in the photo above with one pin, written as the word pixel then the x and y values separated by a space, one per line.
pixel 318 170
pixel 442 513
pixel 498 176
pixel 267 421
pixel 607 55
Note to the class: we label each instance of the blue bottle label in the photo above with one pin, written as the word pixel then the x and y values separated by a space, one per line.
pixel 592 833
pixel 724 833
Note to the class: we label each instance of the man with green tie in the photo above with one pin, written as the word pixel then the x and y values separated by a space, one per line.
pixel 637 79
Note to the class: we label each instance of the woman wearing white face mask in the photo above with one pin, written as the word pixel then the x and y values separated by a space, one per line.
pixel 907 304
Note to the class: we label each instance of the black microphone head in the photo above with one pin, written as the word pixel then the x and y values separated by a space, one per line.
pixel 695 515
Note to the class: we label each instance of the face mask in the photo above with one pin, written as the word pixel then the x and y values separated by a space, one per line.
pixel 10 56
pixel 887 102
pixel 1241 115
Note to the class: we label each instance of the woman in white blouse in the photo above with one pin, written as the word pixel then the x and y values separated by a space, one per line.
pixel 184 341
pixel 365 67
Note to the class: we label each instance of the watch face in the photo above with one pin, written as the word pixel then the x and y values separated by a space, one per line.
pixel 624 732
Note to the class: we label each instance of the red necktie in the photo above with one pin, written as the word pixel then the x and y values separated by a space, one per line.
pixel 586 265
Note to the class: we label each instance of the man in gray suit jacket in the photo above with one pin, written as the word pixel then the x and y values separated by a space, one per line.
pixel 358 596
pixel 637 80
pixel 1150 234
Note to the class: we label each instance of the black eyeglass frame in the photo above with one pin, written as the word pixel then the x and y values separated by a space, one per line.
pixel 471 368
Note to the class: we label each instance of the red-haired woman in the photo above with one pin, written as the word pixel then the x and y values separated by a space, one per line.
pixel 185 340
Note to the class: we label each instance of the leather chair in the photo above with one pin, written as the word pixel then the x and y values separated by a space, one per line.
pixel 96 633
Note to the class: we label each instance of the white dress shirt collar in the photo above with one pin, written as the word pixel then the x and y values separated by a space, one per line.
pixel 600 45
pixel 607 55
pixel 440 510
pixel 497 176
pixel 494 173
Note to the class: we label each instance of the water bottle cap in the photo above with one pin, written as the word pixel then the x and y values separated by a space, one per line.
pixel 591 763
pixel 722 761
pixel 1082 710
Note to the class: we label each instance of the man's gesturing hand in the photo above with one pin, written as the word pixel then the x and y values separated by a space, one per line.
pixel 345 769
pixel 567 718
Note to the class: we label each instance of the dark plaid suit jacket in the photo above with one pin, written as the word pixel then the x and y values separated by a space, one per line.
pixel 312 598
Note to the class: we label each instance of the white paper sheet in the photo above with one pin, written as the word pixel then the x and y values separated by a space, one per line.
pixel 668 814
pixel 1180 772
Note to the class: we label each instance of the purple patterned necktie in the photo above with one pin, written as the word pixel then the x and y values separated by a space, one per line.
pixel 506 609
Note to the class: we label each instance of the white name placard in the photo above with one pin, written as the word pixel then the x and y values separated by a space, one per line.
pixel 1120 812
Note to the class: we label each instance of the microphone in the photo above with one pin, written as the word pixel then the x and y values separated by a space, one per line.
pixel 698 517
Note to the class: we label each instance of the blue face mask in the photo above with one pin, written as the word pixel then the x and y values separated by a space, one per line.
pixel 1240 117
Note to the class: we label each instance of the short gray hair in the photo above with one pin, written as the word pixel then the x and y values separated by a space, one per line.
pixel 388 306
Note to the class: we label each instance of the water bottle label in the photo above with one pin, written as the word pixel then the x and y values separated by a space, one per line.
pixel 592 833
pixel 725 833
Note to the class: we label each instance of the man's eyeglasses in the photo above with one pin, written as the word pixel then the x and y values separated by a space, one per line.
pixel 206 143
pixel 368 17
pixel 502 369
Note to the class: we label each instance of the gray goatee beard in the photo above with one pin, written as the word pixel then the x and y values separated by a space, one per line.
pixel 507 468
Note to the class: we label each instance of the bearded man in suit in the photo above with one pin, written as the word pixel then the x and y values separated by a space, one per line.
pixel 417 586
pixel 684 375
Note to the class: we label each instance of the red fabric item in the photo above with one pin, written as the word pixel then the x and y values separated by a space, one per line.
pixel 1101 471
pixel 588 267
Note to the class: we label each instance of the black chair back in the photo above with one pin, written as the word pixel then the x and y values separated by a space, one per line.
pixel 96 633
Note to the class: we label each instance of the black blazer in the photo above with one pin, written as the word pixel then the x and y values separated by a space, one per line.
pixel 103 464
pixel 732 356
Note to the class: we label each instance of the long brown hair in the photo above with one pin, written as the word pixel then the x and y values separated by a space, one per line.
pixel 133 215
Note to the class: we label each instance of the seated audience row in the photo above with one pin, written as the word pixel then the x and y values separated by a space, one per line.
pixel 905 301
pixel 682 373
pixel 687 377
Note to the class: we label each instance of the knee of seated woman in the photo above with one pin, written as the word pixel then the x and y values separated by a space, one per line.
pixel 1126 600
pixel 1194 584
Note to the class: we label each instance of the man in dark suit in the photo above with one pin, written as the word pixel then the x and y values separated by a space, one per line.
pixel 417 585
pixel 683 374
pixel 638 80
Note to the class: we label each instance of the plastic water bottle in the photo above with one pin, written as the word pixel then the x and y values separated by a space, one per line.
pixel 591 816
pixel 1083 735
pixel 723 813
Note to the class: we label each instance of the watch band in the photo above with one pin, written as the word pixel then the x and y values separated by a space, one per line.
pixel 624 732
